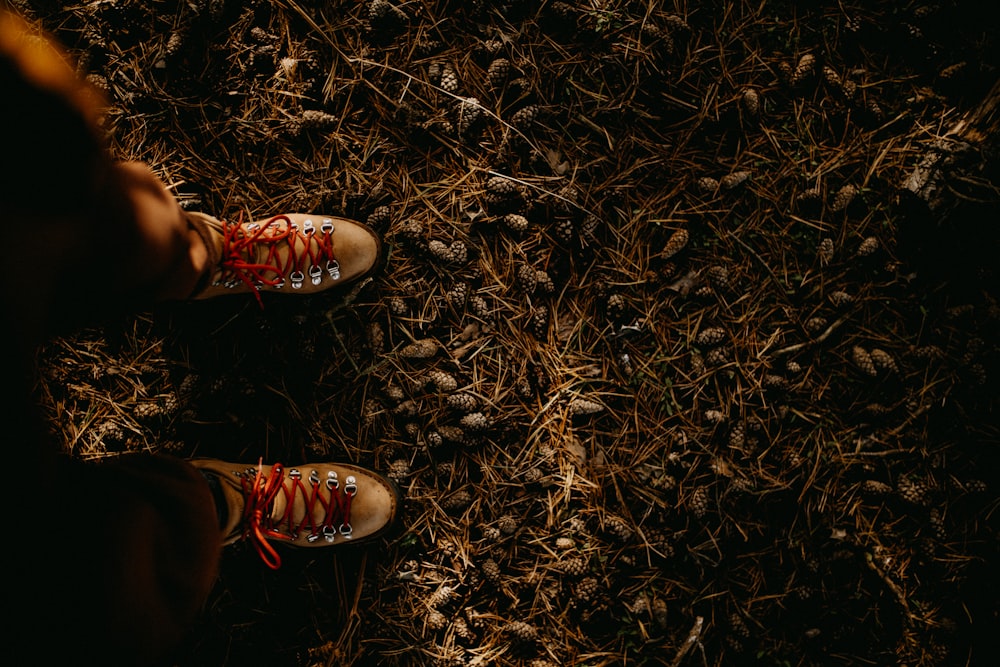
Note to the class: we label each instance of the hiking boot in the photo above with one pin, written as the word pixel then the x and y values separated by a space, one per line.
pixel 313 505
pixel 294 253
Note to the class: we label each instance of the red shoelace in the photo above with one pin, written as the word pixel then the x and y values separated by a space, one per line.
pixel 244 260
pixel 260 492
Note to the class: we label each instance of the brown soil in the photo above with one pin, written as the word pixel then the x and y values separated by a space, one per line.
pixel 698 387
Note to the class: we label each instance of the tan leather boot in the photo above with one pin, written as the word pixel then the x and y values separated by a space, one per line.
pixel 294 253
pixel 313 505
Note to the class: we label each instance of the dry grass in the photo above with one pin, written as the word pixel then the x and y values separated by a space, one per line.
pixel 710 411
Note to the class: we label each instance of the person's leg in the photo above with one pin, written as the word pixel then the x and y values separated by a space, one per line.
pixel 117 558
pixel 108 563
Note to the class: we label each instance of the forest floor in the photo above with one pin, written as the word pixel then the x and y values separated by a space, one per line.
pixel 663 367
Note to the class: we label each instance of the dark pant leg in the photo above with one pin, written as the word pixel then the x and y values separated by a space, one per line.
pixel 107 563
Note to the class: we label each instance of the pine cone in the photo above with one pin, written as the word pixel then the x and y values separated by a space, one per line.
pixel 564 229
pixel 462 402
pixel 713 416
pixel 564 543
pixel 174 44
pixel 677 241
pixel 845 195
pixel 457 501
pixel 545 283
pixel 815 325
pixel 710 336
pixel 913 491
pixel 574 567
pixel 825 251
pixel 833 81
pixel 586 590
pixel 774 382
pixel 707 185
pixel 619 528
pixel 809 197
pixel 840 298
pixel 491 571
pixel 884 361
pixel 875 111
pixel 451 433
pixel 717 356
pixel 420 349
pixel 498 72
pixel 500 189
pixel 458 294
pixel 507 524
pixel 873 488
pixel 540 322
pixel 527 278
pixel 734 180
pixel 699 502
pixel 380 218
pixel 582 407
pixel 462 630
pixel 480 308
pixel 449 79
pixel 863 360
pixel 615 308
pixel 521 632
pixel 399 470
pixel 397 306
pixel 475 422
pixel 719 276
pixel 435 620
pixel 440 251
pixel 412 232
pixel 738 435
pixel 868 247
pixel 804 70
pixel 441 597
pixel 468 112
pixel 589 226
pixel 751 102
pixel 523 118
pixel 444 382
pixel 147 410
pixel 516 223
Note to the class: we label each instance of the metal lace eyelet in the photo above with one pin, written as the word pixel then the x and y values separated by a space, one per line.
pixel 252 226
pixel 331 480
pixel 314 477
pixel 351 488
pixel 297 277
pixel 333 268
pixel 327 226
pixel 315 274
pixel 346 530
pixel 308 227
pixel 312 538
pixel 329 533
pixel 279 284
pixel 294 474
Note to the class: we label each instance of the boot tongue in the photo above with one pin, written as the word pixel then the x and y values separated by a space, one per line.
pixel 210 231
pixel 221 506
